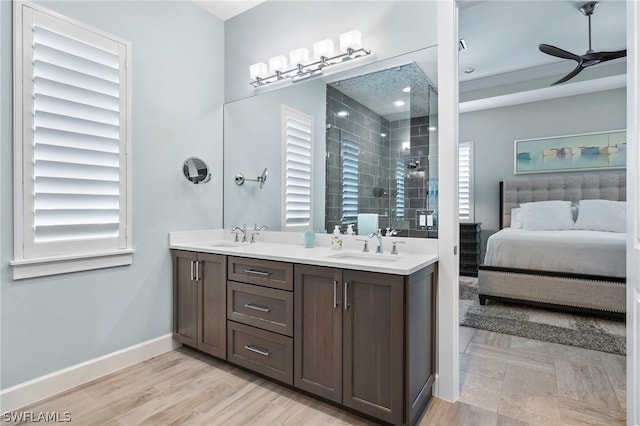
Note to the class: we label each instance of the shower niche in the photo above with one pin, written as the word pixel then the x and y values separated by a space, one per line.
pixel 381 152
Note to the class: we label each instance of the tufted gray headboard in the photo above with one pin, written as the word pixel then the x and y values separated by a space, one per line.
pixel 565 187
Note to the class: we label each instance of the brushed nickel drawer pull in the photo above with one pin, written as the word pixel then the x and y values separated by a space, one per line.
pixel 257 307
pixel 197 262
pixel 254 272
pixel 257 350
pixel 335 293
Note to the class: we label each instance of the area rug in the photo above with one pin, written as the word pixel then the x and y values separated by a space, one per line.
pixel 584 331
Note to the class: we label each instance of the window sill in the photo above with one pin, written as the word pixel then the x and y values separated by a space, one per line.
pixel 44 266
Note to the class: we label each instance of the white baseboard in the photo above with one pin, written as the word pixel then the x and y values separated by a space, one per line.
pixel 43 387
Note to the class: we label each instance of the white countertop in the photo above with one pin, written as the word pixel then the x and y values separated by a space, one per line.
pixel 289 247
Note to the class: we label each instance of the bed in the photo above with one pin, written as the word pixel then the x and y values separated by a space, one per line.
pixel 580 270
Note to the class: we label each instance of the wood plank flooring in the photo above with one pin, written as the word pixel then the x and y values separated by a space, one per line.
pixel 505 380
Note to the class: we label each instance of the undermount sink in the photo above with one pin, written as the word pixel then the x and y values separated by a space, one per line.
pixel 371 257
pixel 221 243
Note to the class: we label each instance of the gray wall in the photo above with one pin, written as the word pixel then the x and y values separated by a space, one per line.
pixel 389 28
pixel 494 130
pixel 253 141
pixel 364 127
pixel 54 322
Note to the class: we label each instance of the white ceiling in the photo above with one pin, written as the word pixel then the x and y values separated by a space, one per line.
pixel 228 8
pixel 503 36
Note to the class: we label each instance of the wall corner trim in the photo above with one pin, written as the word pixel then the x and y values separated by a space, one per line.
pixel 34 390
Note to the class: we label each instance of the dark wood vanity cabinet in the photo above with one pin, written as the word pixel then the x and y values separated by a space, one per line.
pixel 354 343
pixel 363 340
pixel 199 290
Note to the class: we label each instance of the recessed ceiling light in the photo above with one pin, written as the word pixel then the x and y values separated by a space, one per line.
pixel 407 89
pixel 398 103
pixel 469 70
pixel 384 135
pixel 342 113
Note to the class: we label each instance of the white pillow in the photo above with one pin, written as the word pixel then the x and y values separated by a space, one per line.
pixel 547 215
pixel 516 218
pixel 602 215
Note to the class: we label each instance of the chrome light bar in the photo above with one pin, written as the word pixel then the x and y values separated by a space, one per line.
pixel 301 72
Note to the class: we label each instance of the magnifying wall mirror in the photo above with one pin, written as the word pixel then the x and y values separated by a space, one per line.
pixel 196 171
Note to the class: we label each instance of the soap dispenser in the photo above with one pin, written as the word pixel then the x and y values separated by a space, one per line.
pixel 336 240
pixel 350 229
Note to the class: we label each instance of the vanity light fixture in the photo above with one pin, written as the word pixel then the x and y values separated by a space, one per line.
pixel 300 68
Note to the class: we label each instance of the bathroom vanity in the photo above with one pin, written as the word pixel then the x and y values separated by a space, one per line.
pixel 353 328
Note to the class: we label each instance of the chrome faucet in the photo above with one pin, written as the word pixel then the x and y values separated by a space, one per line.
pixel 379 236
pixel 243 230
pixel 256 231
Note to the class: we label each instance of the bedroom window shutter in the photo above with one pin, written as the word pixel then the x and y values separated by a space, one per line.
pixel 298 143
pixel 350 152
pixel 73 149
pixel 465 182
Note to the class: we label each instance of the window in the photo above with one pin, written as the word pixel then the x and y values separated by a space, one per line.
pixel 465 181
pixel 72 188
pixel 350 151
pixel 400 189
pixel 297 138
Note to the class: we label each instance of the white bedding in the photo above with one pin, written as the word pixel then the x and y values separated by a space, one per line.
pixel 575 251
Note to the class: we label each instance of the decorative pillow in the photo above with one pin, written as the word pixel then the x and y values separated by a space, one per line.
pixel 516 218
pixel 602 215
pixel 547 215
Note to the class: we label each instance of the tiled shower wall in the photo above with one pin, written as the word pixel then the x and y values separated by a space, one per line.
pixel 364 127
pixel 416 132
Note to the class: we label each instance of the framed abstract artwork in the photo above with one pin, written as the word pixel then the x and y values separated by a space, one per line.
pixel 590 151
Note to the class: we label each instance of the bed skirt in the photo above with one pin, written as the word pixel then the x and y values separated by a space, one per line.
pixel 596 294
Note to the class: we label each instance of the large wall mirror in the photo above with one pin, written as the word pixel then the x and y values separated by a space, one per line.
pixel 373 149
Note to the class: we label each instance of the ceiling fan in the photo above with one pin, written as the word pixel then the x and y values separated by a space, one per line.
pixel 588 59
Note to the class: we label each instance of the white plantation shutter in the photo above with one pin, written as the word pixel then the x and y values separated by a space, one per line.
pixel 465 181
pixel 350 153
pixel 74 139
pixel 400 189
pixel 297 129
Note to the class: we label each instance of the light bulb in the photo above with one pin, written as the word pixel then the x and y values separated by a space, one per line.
pixel 352 39
pixel 323 48
pixel 258 70
pixel 299 56
pixel 278 63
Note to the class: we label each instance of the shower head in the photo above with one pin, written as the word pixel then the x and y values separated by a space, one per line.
pixel 413 164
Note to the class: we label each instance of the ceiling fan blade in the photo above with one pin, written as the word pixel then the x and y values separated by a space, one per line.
pixel 558 53
pixel 609 56
pixel 572 74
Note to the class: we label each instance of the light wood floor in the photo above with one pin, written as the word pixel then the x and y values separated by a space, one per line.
pixel 505 380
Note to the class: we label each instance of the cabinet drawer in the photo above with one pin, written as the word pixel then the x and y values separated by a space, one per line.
pixel 266 273
pixel 263 307
pixel 262 351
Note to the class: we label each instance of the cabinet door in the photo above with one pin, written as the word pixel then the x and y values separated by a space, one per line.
pixel 185 297
pixel 373 344
pixel 212 314
pixel 318 331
